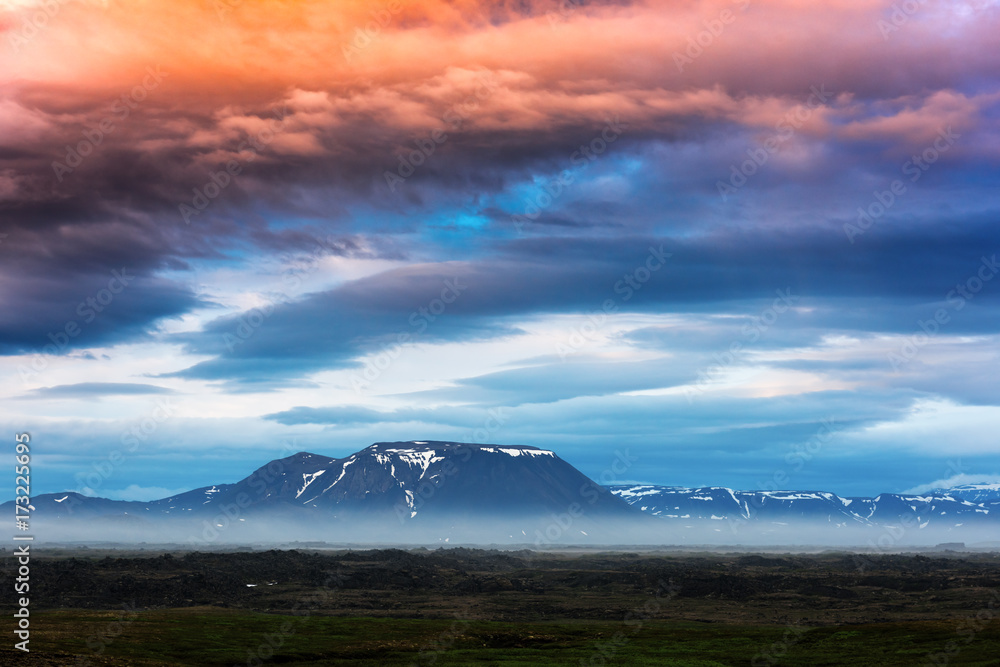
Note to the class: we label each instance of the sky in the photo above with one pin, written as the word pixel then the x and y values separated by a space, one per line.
pixel 749 244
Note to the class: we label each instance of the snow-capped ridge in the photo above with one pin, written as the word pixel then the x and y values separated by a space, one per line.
pixel 949 508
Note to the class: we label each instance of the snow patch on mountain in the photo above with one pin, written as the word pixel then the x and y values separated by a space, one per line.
pixel 421 459
pixel 637 491
pixel 307 479
pixel 343 471
pixel 949 508
pixel 510 451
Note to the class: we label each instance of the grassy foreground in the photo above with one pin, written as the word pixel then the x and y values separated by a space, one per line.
pixel 210 636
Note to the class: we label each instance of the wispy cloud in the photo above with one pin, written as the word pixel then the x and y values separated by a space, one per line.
pixel 98 389
pixel 953 481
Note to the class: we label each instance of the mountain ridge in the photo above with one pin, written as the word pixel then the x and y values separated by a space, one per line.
pixel 736 507
pixel 387 490
pixel 408 489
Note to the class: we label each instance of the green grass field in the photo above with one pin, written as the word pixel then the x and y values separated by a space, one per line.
pixel 209 637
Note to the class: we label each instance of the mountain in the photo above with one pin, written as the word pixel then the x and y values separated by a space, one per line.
pixel 975 493
pixel 423 492
pixel 971 509
pixel 391 491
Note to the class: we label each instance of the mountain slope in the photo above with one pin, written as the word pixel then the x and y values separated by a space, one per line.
pixel 390 490
pixel 974 507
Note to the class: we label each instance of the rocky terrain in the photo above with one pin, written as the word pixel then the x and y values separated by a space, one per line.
pixel 495 585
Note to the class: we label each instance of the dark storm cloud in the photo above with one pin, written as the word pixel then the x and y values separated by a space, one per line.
pixel 888 287
pixel 120 208
pixel 88 310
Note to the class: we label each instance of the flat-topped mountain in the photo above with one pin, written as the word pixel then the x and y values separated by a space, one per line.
pixel 387 491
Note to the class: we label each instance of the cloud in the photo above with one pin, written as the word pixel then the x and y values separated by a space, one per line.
pixel 953 481
pixel 278 127
pixel 98 390
pixel 559 381
pixel 933 422
pixel 336 416
pixel 354 415
pixel 50 314
pixel 343 123
pixel 135 492
pixel 403 306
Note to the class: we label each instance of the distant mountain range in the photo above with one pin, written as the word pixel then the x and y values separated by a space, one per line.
pixel 435 492
pixel 973 507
